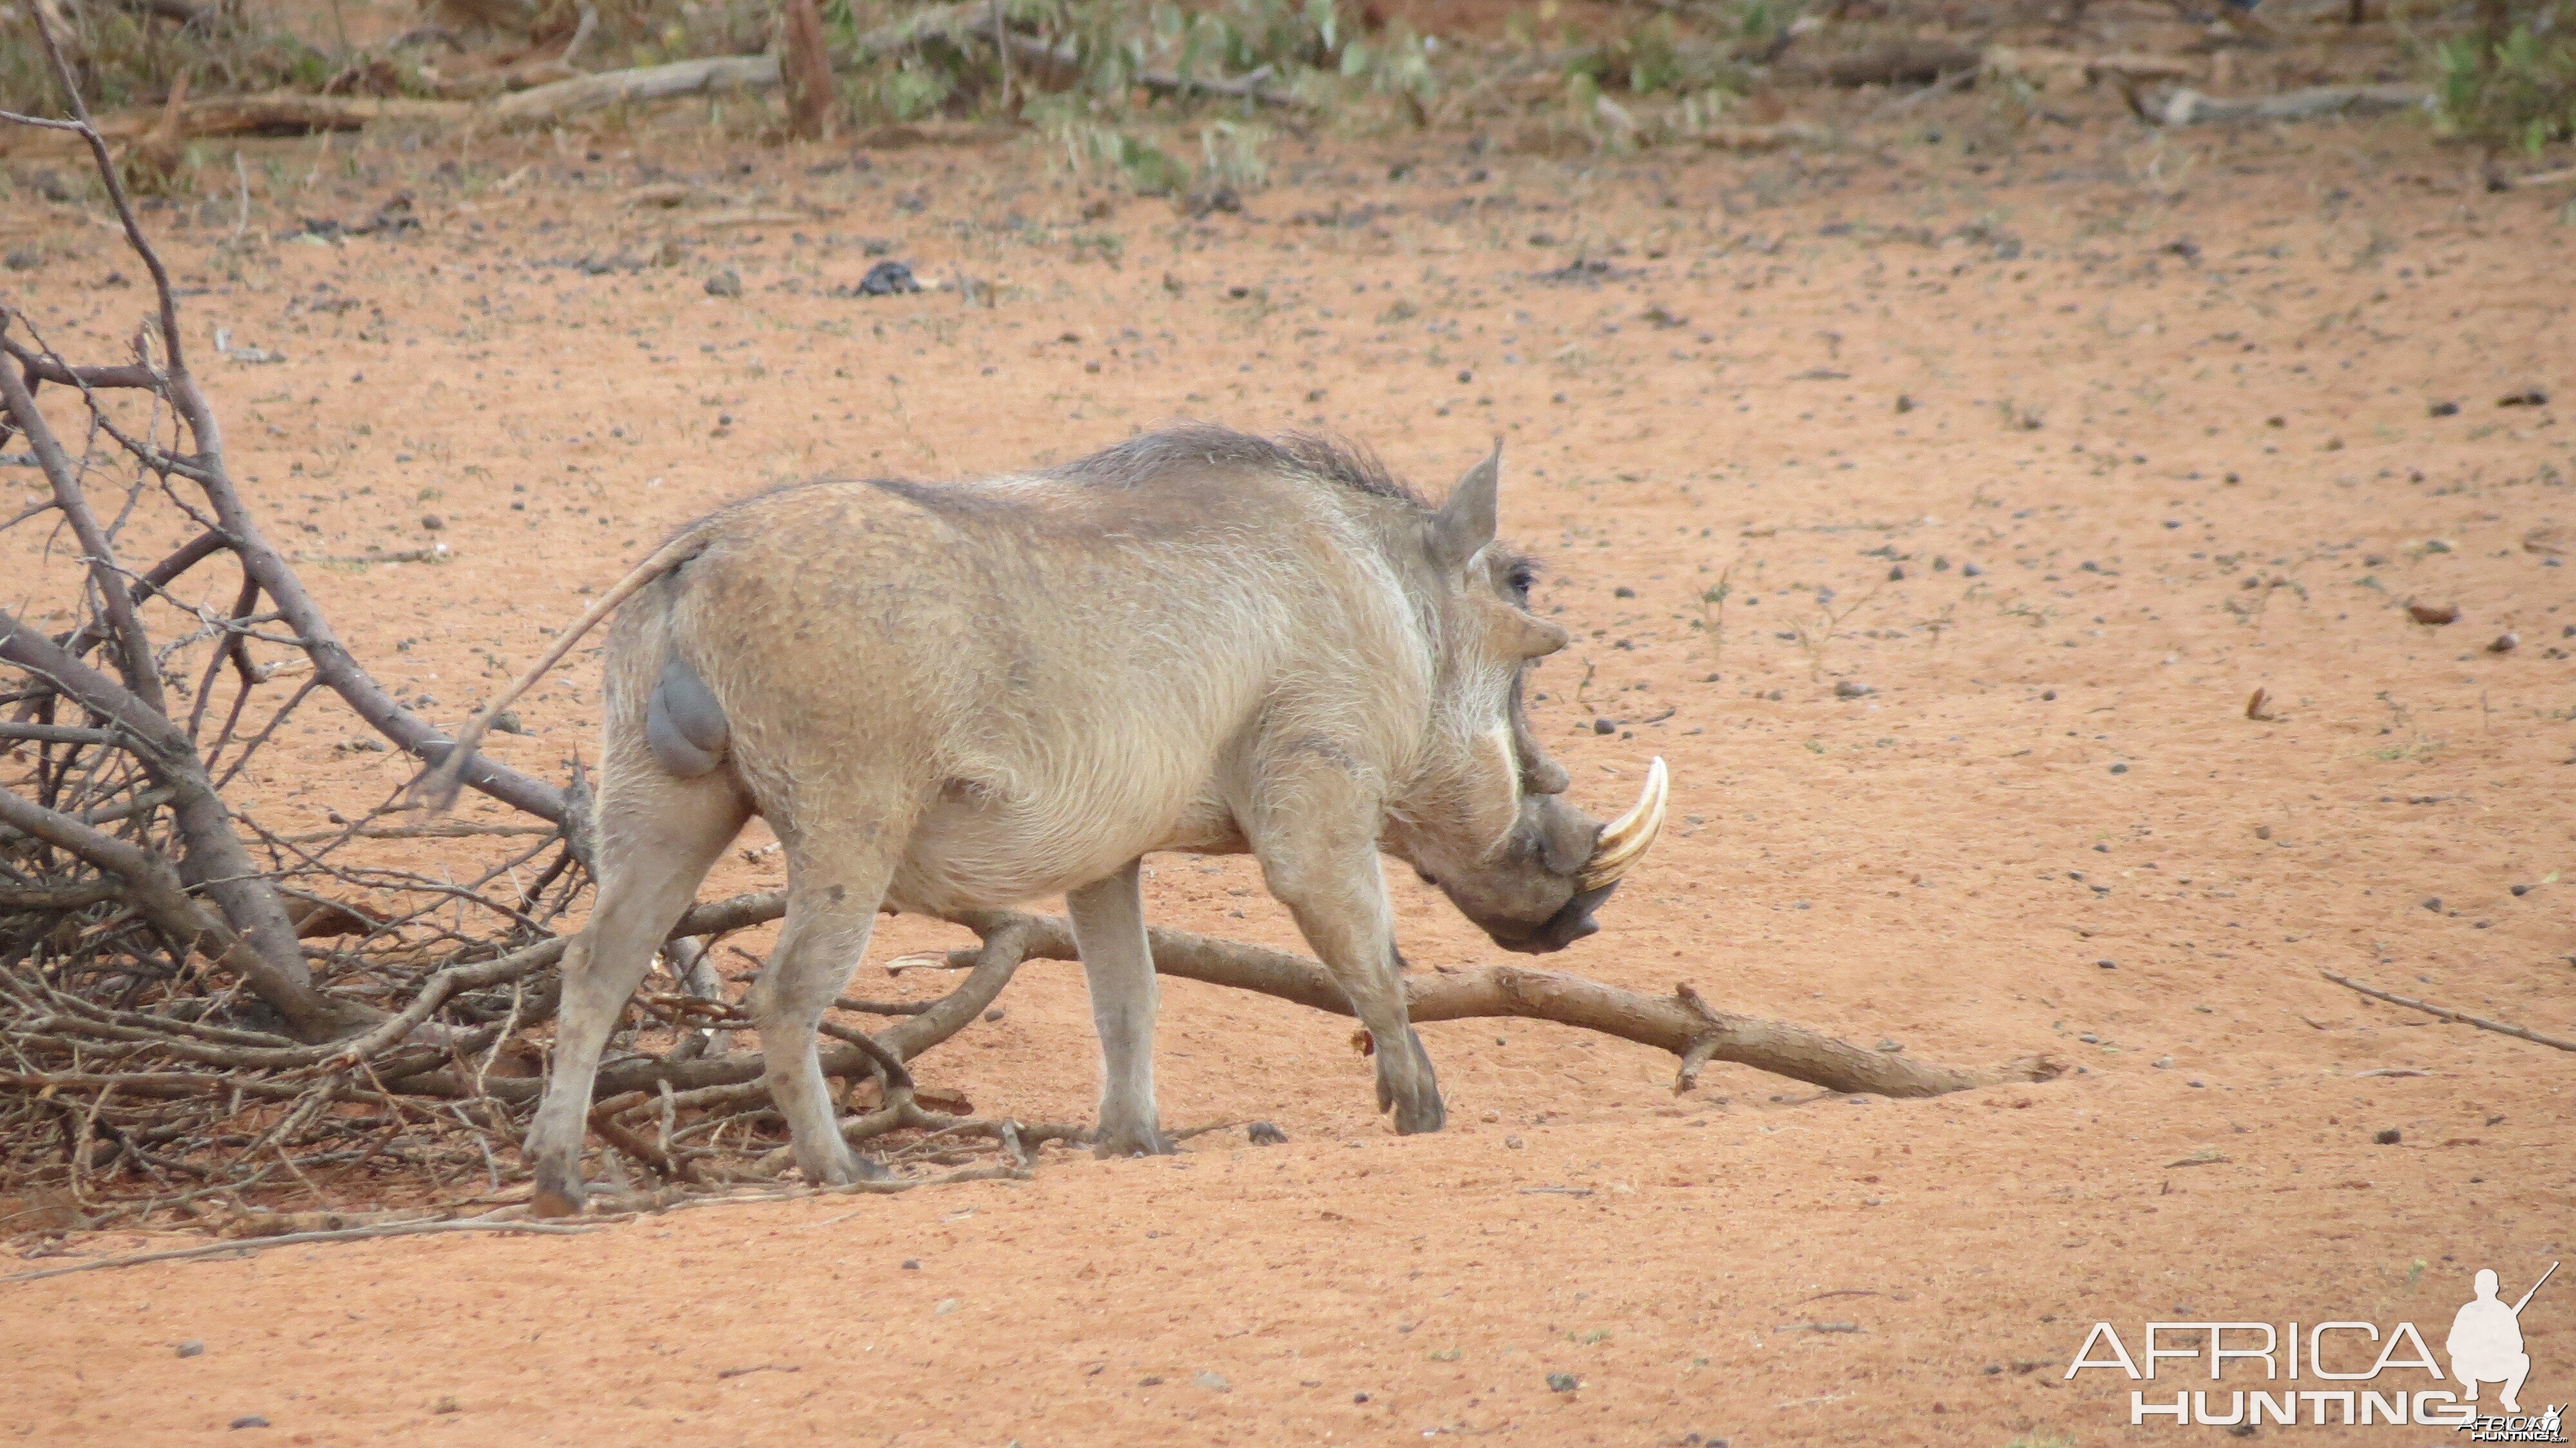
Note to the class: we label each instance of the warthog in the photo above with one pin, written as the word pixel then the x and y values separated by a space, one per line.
pixel 969 695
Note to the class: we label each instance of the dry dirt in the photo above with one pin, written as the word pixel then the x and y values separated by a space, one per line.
pixel 2059 448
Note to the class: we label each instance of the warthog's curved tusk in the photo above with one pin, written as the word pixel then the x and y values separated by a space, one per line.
pixel 1626 838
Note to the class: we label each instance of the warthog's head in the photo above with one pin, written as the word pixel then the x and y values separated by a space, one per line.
pixel 1487 820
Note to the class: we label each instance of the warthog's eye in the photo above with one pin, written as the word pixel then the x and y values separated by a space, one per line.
pixel 1519 580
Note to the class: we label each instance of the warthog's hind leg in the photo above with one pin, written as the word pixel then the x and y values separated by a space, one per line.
pixel 833 888
pixel 655 844
pixel 1108 918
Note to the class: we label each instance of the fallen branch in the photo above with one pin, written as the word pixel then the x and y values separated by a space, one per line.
pixel 2187 107
pixel 245 1246
pixel 2502 1028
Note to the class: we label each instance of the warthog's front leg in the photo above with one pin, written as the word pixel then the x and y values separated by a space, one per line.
pixel 1109 925
pixel 1331 881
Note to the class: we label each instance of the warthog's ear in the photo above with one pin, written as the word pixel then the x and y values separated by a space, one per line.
pixel 1465 523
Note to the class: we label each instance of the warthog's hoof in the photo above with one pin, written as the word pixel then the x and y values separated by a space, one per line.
pixel 1413 1118
pixel 1106 1144
pixel 868 1169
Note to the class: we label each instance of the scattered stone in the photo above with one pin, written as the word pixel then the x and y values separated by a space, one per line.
pixel 1150 1380
pixel 507 722
pixel 1604 726
pixel 447 1404
pixel 886 279
pixel 1623 591
pixel 2388 1137
pixel 25 258
pixel 945 1306
pixel 2527 397
pixel 1563 1382
pixel 2446 409
pixel 911 1264
pixel 2505 643
pixel 1852 689
pixel 994 1015
pixel 1262 1133
pixel 2521 890
pixel 726 283
pixel 432 522
pixel 249 1420
pixel 192 1348
pixel 1970 570
pixel 2108 964
pixel 1359 1397
pixel 2433 903
pixel 1512 1142
pixel 1891 1047
pixel 2164 1063
pixel 2119 769
pixel 2048 696
pixel 2433 614
pixel 1213 1382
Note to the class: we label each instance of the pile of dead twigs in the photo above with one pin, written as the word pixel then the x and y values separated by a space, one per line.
pixel 202 1016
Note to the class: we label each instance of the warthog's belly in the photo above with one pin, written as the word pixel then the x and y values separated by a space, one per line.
pixel 977 849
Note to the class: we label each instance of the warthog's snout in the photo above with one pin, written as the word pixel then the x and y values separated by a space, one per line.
pixel 1538 892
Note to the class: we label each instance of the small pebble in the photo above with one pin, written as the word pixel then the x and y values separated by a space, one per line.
pixel 1604 726
pixel 1896 573
pixel 1623 591
pixel 2521 890
pixel 249 1420
pixel 2090 1039
pixel 2433 903
pixel 2505 643
pixel 1213 1382
pixel 1970 570
pixel 993 1015
pixel 2048 696
pixel 2164 1063
pixel 1359 1397
pixel 1851 689
pixel 2389 1137
pixel 2108 964
pixel 946 1306
pixel 2446 409
pixel 1512 1142
pixel 2433 614
pixel 192 1348
pixel 1563 1382
pixel 432 522
pixel 726 283
pixel 911 1264
pixel 1149 1381
pixel 2119 769
pixel 1262 1133
pixel 1493 1116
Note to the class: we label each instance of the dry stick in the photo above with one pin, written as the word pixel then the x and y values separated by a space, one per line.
pixel 215 860
pixel 2501 1028
pixel 332 662
pixel 247 1245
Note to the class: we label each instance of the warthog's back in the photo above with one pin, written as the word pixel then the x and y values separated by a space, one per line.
pixel 1065 666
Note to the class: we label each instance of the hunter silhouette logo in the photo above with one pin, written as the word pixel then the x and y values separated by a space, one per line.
pixel 2486 1341
pixel 2354 1387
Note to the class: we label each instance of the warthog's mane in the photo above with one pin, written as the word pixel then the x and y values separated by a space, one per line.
pixel 1201 446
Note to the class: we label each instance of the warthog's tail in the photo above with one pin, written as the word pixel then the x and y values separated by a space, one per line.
pixel 438 788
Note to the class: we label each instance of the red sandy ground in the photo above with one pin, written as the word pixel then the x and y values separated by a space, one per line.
pixel 2184 471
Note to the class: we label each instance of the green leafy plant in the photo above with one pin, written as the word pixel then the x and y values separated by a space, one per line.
pixel 2508 82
